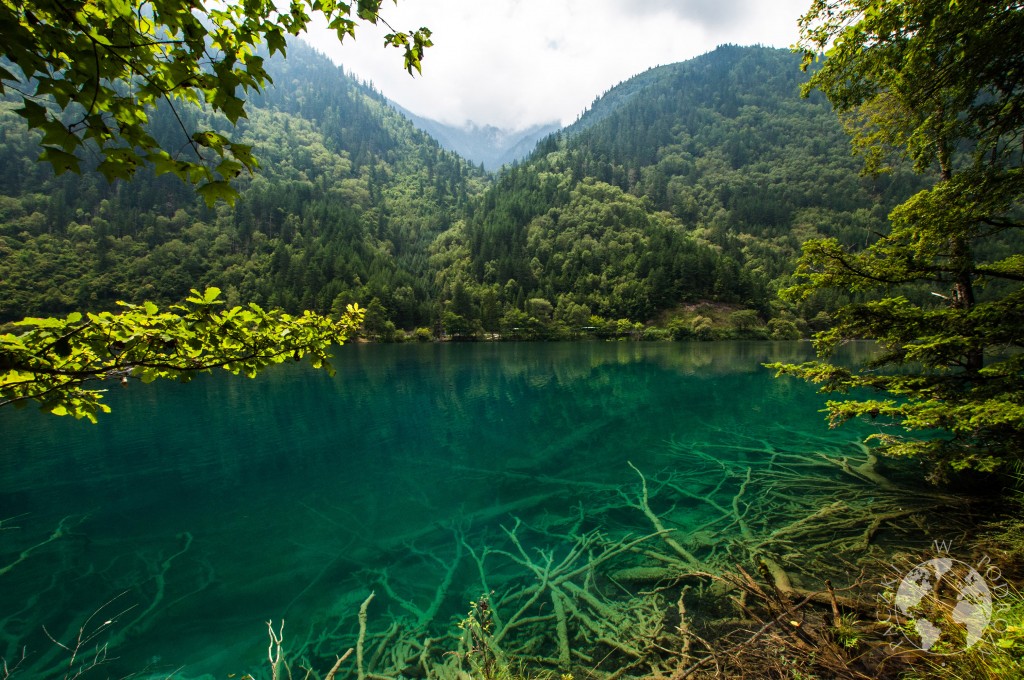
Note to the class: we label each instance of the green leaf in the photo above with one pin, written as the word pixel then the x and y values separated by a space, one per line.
pixel 276 41
pixel 229 168
pixel 146 375
pixel 243 154
pixel 232 107
pixel 61 161
pixel 119 164
pixel 149 53
pixel 162 163
pixel 55 134
pixel 209 139
pixel 34 113
pixel 218 190
pixel 44 322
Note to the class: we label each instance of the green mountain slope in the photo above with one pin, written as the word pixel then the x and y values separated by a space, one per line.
pixel 691 182
pixel 349 196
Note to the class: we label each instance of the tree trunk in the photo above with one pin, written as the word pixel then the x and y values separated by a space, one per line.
pixel 962 264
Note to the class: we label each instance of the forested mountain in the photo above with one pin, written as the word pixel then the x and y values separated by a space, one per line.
pixel 691 183
pixel 349 196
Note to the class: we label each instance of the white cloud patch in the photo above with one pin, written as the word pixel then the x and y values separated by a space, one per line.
pixel 515 63
pixel 710 15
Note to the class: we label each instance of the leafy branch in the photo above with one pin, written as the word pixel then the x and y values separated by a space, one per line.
pixel 56 361
pixel 103 66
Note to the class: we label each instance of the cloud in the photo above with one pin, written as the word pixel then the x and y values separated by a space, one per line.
pixel 712 15
pixel 515 63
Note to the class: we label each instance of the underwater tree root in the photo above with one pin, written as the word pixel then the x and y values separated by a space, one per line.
pixel 85 645
pixel 723 565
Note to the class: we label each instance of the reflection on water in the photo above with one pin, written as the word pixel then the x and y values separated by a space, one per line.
pixel 221 504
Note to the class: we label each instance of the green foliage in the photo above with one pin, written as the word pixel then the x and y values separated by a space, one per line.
pixel 783 329
pixel 940 290
pixel 702 328
pixel 999 656
pixel 56 361
pixel 1001 653
pixel 89 76
pixel 375 321
pixel 422 335
pixel 846 631
pixel 652 334
pixel 476 630
pixel 348 200
pixel 746 324
pixel 658 201
pixel 457 326
pixel 903 92
pixel 695 181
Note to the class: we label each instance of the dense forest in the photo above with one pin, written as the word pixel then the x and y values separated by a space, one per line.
pixel 691 183
pixel 678 201
pixel 347 200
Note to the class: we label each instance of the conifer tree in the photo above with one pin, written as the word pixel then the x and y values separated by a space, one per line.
pixel 938 83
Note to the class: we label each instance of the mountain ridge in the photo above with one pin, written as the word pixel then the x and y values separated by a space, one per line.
pixel 693 181
pixel 487 145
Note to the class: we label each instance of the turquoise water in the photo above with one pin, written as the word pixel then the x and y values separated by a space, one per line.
pixel 206 510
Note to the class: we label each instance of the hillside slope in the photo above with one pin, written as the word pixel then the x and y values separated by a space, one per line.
pixel 691 182
pixel 349 195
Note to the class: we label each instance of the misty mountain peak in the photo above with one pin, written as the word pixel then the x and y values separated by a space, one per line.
pixel 488 145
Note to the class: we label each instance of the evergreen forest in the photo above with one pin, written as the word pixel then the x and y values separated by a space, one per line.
pixel 674 207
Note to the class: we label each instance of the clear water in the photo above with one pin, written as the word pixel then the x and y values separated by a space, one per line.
pixel 211 508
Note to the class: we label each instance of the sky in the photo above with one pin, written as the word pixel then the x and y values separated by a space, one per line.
pixel 517 63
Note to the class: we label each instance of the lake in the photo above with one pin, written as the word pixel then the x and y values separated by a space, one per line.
pixel 429 474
